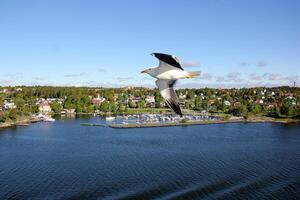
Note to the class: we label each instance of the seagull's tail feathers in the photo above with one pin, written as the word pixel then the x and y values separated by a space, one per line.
pixel 192 74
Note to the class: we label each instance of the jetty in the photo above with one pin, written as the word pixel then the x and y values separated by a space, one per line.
pixel 91 124
pixel 202 122
pixel 167 124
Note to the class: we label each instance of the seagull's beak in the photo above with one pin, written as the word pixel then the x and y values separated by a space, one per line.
pixel 144 71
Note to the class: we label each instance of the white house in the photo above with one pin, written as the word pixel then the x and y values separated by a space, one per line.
pixel 19 89
pixel 227 103
pixel 8 105
pixel 4 90
pixel 150 99
pixel 135 99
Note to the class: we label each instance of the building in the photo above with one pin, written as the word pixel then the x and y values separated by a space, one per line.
pixel 44 107
pixel 4 90
pixel 97 100
pixel 135 99
pixel 211 101
pixel 19 89
pixel 8 105
pixel 150 101
pixel 227 103
pixel 68 111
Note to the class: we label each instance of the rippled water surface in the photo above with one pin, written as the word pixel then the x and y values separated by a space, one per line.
pixel 63 160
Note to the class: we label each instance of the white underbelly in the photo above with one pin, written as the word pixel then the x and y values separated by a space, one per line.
pixel 171 74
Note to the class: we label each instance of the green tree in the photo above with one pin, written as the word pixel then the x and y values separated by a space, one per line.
pixel 3 117
pixel 56 107
pixel 104 107
pixel 122 108
pixel 141 103
pixel 197 103
pixel 158 99
pixel 256 109
pixel 131 104
pixel 12 114
pixel 286 109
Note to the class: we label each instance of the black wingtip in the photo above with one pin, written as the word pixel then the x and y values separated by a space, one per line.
pixel 180 114
pixel 169 59
pixel 175 107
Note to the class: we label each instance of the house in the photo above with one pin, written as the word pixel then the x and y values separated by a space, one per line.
pixel 50 100
pixel 261 101
pixel 227 103
pixel 68 111
pixel 135 99
pixel 8 105
pixel 150 100
pixel 19 89
pixel 4 90
pixel 211 101
pixel 44 107
pixel 97 100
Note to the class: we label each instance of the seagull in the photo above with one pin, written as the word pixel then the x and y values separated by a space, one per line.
pixel 167 74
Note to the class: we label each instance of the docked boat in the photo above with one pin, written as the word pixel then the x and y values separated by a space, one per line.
pixel 49 119
pixel 110 118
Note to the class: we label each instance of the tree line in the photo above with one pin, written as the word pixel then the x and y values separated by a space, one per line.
pixel 276 102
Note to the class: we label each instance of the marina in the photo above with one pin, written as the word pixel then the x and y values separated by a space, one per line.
pixel 145 120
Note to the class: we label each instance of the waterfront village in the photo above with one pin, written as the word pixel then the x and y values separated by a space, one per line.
pixel 38 102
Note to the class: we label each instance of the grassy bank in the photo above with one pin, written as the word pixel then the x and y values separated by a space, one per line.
pixel 20 121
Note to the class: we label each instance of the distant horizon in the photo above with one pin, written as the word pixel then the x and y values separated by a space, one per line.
pixel 136 86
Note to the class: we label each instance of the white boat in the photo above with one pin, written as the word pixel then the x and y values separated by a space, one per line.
pixel 109 118
pixel 49 119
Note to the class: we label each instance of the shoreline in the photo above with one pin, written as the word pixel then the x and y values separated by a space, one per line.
pixel 23 122
pixel 28 121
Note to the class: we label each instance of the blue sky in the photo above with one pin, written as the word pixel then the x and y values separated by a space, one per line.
pixel 107 43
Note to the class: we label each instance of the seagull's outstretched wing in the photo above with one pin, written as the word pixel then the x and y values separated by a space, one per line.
pixel 167 92
pixel 166 59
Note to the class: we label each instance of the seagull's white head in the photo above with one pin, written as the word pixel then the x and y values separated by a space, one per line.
pixel 148 71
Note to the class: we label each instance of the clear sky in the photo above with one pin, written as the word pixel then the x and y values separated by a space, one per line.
pixel 107 43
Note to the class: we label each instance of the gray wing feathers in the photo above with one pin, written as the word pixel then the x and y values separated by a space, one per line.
pixel 168 93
